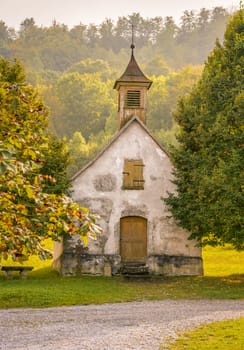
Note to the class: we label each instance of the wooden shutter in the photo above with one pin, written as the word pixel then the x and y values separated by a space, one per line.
pixel 127 180
pixel 138 181
pixel 133 175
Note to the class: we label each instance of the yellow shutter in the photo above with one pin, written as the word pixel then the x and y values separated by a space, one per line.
pixel 133 174
pixel 127 174
pixel 138 174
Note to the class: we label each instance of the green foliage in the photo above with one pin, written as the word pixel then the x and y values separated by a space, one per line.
pixel 6 36
pixel 7 73
pixel 29 211
pixel 164 94
pixel 86 103
pixel 209 160
pixel 92 66
pixel 80 152
pixel 157 66
pixel 167 137
pixel 157 97
pixel 54 166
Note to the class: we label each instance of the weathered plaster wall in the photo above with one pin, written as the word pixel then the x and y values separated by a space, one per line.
pixel 99 187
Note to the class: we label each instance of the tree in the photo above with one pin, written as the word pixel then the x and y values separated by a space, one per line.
pixel 209 160
pixel 106 32
pixel 163 96
pixel 92 35
pixel 86 103
pixel 93 66
pixel 156 117
pixel 78 33
pixel 157 66
pixel 29 211
pixel 80 152
pixel 166 39
pixel 55 164
pixel 6 36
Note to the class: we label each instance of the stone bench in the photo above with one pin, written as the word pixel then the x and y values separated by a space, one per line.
pixel 23 270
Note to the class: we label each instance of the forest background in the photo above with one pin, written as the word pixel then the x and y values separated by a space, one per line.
pixel 74 71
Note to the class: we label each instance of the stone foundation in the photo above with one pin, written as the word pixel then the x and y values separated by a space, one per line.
pixel 92 264
pixel 74 264
pixel 168 265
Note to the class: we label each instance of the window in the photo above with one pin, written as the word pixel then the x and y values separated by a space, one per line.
pixel 133 175
pixel 133 99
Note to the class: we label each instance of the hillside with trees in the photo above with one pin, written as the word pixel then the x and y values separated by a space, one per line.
pixel 57 47
pixel 74 70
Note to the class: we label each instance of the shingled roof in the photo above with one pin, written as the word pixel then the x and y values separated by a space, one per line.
pixel 132 74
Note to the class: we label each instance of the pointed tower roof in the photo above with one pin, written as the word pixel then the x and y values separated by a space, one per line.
pixel 132 74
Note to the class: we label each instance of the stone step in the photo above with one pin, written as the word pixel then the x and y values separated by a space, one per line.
pixel 135 269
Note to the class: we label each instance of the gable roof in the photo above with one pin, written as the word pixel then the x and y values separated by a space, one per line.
pixel 114 138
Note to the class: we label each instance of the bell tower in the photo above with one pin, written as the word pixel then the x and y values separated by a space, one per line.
pixel 132 89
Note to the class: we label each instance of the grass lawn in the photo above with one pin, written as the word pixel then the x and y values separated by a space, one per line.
pixel 224 279
pixel 224 335
pixel 222 261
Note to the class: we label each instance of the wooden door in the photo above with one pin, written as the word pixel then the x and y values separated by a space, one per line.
pixel 133 239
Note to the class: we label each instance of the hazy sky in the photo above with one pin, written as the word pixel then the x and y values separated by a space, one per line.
pixel 72 12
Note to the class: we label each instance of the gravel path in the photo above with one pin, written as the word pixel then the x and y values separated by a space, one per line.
pixel 136 325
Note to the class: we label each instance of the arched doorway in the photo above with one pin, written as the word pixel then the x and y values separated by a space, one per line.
pixel 133 239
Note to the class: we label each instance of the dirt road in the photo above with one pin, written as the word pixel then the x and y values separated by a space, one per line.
pixel 136 325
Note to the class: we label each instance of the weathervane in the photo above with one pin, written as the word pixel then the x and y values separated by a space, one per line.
pixel 132 37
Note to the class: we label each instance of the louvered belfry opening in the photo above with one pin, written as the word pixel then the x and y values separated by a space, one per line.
pixel 133 99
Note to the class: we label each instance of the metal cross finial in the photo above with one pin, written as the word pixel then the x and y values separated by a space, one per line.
pixel 132 37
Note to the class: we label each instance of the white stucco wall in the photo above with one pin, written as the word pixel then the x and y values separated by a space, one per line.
pixel 99 187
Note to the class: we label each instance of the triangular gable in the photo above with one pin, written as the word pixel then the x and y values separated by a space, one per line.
pixel 114 138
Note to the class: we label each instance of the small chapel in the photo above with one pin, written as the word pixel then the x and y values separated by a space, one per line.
pixel 125 185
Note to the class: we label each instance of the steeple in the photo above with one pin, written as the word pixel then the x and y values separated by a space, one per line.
pixel 132 89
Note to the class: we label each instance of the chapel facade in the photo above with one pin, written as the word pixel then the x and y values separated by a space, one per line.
pixel 125 185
